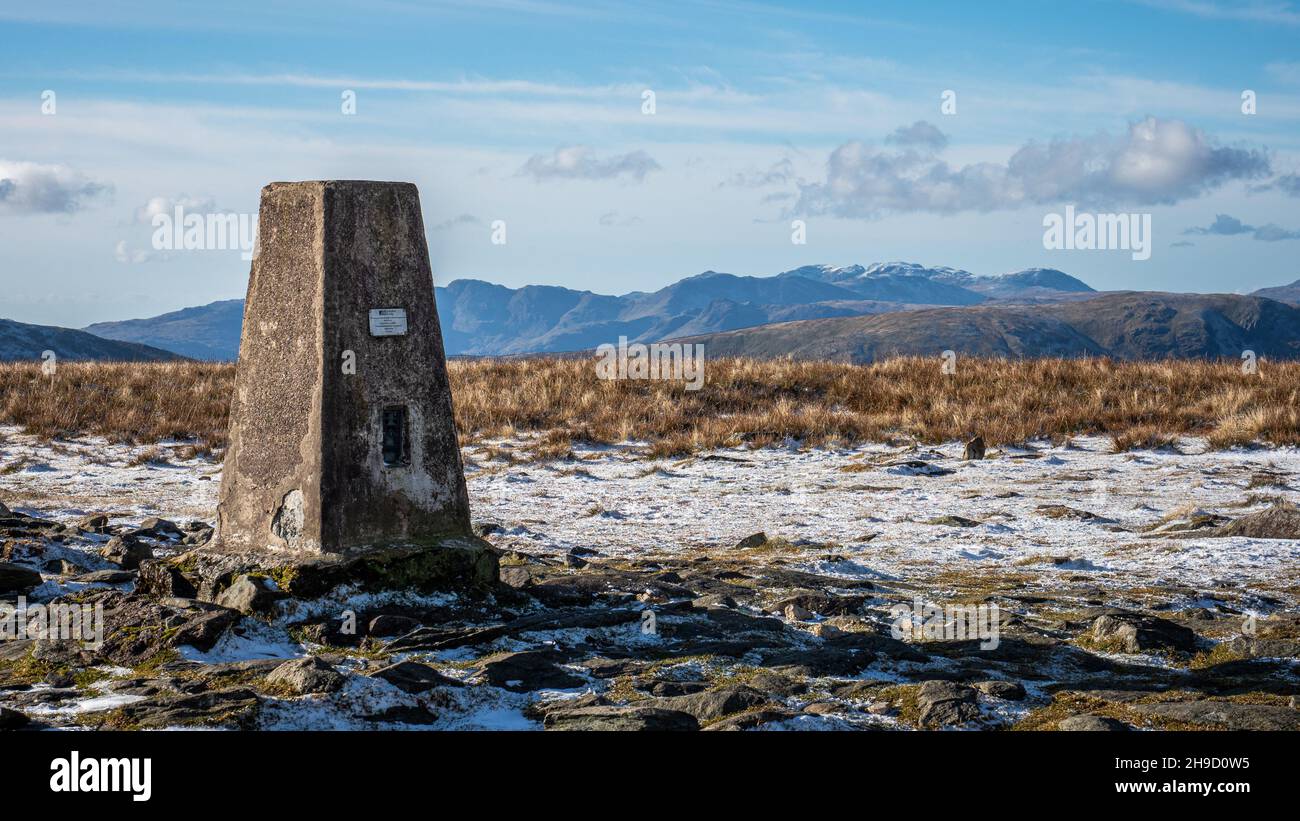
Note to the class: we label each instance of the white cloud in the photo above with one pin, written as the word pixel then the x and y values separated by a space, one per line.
pixel 168 205
pixel 1156 162
pixel 126 255
pixel 32 188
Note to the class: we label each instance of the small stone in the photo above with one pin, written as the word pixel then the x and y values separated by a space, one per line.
pixel 61 567
pixel 750 720
pixel 756 540
pixel 954 521
pixel 974 449
pixel 671 689
pixel 235 707
pixel 248 595
pixel 60 679
pixel 16 578
pixel 715 704
pixel 413 677
pixel 198 537
pixel 794 612
pixel 823 708
pixel 777 684
pixel 389 625
pixel 1224 715
pixel 713 600
pixel 159 527
pixel 944 703
pixel 1091 723
pixel 621 719
pixel 126 552
pixel 826 631
pixel 529 670
pixel 1137 633
pixel 516 575
pixel 1008 690
pixel 12 719
pixel 306 675
pixel 160 578
pixel 1063 512
pixel 105 577
pixel 93 523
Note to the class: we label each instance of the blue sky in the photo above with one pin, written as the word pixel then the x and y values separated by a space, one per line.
pixel 531 113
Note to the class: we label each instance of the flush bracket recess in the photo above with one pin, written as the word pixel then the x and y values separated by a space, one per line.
pixel 395 436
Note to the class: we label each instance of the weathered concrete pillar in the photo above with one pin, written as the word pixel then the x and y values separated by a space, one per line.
pixel 342 442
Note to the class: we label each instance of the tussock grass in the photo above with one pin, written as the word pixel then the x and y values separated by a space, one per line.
pixel 122 401
pixel 559 401
pixel 1008 402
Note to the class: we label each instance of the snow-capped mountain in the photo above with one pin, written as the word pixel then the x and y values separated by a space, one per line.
pixel 1030 281
pixel 483 318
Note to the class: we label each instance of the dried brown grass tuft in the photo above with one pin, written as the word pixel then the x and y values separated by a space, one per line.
pixel 1137 404
pixel 122 401
pixel 560 401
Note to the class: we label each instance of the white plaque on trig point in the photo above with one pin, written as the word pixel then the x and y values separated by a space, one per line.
pixel 388 322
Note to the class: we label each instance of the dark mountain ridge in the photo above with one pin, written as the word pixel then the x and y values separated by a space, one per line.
pixel 1125 325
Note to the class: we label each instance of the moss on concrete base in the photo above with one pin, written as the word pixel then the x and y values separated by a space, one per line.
pixel 427 565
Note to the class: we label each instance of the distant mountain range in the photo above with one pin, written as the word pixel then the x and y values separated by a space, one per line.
pixel 207 332
pixel 1124 325
pixel 1282 293
pixel 850 312
pixel 19 340
pixel 480 318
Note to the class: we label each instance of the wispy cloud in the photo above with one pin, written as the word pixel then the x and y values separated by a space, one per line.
pixel 778 173
pixel 1285 72
pixel 463 219
pixel 1229 226
pixel 615 219
pixel 1255 12
pixel 579 162
pixel 919 134
pixel 1288 184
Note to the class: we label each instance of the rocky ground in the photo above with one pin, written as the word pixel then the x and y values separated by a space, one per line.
pixel 1136 590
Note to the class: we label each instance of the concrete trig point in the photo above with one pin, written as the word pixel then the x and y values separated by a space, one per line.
pixel 342 443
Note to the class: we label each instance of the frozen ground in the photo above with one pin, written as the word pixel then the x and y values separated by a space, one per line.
pixel 873 518
pixel 789 632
